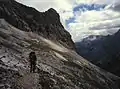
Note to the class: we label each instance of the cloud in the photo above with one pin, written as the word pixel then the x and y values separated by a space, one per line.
pixel 83 17
pixel 94 22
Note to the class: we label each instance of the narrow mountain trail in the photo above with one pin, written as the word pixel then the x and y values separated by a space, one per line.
pixel 29 81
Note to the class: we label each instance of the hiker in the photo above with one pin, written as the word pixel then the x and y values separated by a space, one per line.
pixel 33 59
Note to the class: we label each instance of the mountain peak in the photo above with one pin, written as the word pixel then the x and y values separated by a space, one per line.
pixel 45 23
pixel 52 10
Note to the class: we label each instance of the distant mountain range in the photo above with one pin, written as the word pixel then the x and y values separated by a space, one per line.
pixel 103 51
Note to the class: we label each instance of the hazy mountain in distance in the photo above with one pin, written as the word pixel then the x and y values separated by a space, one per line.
pixel 103 51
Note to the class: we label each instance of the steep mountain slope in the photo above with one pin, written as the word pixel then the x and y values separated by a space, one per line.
pixel 27 19
pixel 112 47
pixel 92 49
pixel 58 66
pixel 103 51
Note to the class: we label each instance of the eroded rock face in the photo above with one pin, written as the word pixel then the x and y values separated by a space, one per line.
pixel 27 19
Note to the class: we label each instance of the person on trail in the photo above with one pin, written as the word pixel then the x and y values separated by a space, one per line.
pixel 33 59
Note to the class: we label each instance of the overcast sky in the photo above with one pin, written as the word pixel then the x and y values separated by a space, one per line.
pixel 83 17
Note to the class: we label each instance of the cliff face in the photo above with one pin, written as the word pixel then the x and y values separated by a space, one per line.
pixel 58 67
pixel 104 51
pixel 27 19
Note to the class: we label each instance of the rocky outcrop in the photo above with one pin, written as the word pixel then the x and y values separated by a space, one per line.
pixel 104 51
pixel 27 19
